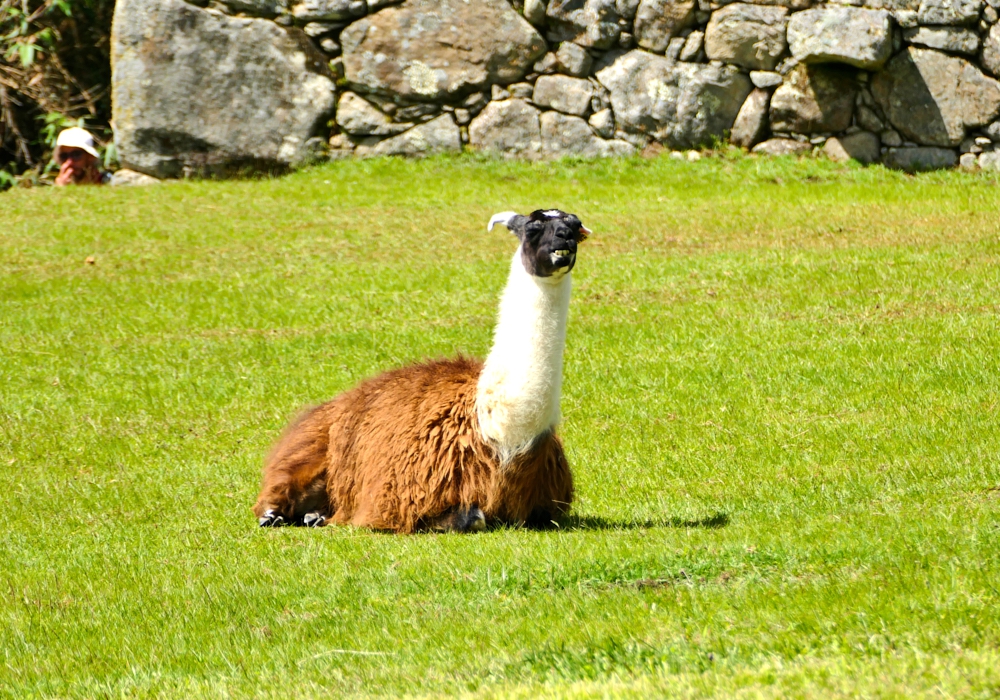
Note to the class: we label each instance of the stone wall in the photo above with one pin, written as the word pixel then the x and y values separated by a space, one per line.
pixel 266 83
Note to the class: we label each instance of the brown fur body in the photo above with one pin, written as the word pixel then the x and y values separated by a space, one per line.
pixel 402 451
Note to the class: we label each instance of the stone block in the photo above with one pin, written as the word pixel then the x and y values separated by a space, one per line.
pixel 781 147
pixel 751 36
pixel 833 34
pixel 952 39
pixel 862 146
pixel 563 94
pixel 565 135
pixel 751 122
pixel 933 98
pixel 358 117
pixel 429 50
pixel 814 99
pixel 959 12
pixel 574 59
pixel 508 127
pixel 590 23
pixel 436 136
pixel 919 158
pixel 658 21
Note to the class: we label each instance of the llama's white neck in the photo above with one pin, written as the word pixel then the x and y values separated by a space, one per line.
pixel 517 398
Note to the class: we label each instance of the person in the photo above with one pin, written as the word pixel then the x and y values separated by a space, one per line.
pixel 79 162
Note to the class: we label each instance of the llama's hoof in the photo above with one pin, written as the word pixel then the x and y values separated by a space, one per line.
pixel 271 519
pixel 313 520
pixel 476 521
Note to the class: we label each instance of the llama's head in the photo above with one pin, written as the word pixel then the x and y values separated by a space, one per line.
pixel 548 239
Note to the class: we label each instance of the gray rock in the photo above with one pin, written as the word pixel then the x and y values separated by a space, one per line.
pixel 508 127
pixel 548 63
pixel 968 161
pixel 833 34
pixel 949 11
pixel 891 138
pixel 563 94
pixel 499 93
pixel 574 59
pixel 990 16
pixel 954 39
pixel 751 123
pixel 319 10
pixel 863 147
pixel 765 79
pixel 657 21
pixel 329 46
pixel 990 57
pixel 603 123
pixel 417 112
pixel 752 36
pixel 436 136
pixel 427 50
pixel 627 9
pixel 257 8
pixel 932 98
pixel 691 51
pixel 992 131
pixel 590 23
pixel 990 160
pixel 534 11
pixel 131 178
pixel 867 119
pixel 199 92
pixel 521 90
pixel 564 135
pixel 814 99
pixel 675 47
pixel 683 105
pixel 919 158
pixel 358 117
pixel 318 29
pixel 906 18
pixel 782 147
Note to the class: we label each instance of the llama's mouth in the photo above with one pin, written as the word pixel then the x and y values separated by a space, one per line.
pixel 558 256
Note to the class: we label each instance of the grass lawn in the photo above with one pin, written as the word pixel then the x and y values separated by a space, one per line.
pixel 780 402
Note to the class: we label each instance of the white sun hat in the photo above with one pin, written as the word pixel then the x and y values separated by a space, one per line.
pixel 75 137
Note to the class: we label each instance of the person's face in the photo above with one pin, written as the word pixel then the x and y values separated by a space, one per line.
pixel 75 164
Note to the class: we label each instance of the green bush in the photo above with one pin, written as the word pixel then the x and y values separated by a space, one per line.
pixel 55 71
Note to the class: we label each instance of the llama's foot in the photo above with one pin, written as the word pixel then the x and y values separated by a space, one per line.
pixel 459 520
pixel 271 518
pixel 541 519
pixel 313 520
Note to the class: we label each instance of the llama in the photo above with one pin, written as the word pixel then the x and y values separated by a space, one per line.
pixel 447 445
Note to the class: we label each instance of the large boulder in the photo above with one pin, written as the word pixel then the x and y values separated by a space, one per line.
pixel 199 92
pixel 565 135
pixel 833 34
pixel 508 127
pixel 933 98
pixel 814 99
pixel 257 8
pixel 429 50
pixel 862 146
pixel 684 105
pixel 752 36
pixel 590 23
pixel 657 21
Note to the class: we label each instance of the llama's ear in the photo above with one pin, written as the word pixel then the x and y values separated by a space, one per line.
pixel 503 217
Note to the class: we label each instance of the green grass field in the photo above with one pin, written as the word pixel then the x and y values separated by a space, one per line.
pixel 780 403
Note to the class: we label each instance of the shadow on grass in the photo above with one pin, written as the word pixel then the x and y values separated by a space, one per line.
pixel 595 522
